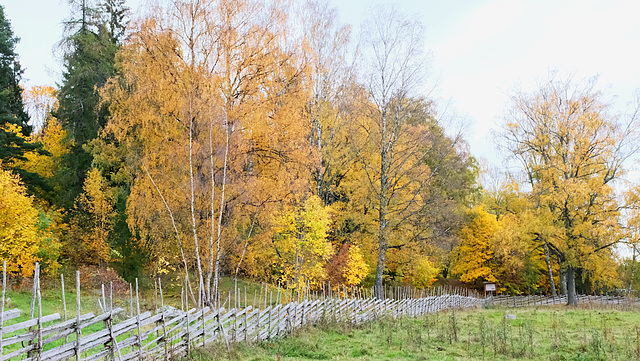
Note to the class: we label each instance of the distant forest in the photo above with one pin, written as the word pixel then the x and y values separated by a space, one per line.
pixel 260 139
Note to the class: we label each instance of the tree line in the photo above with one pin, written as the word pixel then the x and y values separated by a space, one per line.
pixel 266 140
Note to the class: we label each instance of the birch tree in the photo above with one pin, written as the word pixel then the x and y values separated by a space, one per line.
pixel 390 144
pixel 209 105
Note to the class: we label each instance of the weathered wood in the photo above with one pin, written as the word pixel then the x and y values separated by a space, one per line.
pixel 99 318
pixel 30 323
pixel 11 314
pixel 188 329
pixel 2 313
pixel 53 329
pixel 19 352
pixel 64 301
pixel 78 313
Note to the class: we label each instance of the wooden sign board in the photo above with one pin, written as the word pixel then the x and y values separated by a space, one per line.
pixel 489 287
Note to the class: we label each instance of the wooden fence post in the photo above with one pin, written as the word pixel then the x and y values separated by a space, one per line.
pixel 186 310
pixel 39 350
pixel 138 322
pixel 164 321
pixel 4 287
pixel 64 303
pixel 78 330
pixel 246 310
pixel 270 309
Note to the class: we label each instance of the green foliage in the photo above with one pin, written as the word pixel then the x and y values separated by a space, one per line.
pixel 11 106
pixel 14 126
pixel 89 53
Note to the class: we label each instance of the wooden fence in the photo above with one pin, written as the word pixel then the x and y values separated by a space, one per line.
pixel 169 333
pixel 542 300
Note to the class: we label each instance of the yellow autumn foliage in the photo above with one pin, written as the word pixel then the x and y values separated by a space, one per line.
pixel 475 251
pixel 424 273
pixel 301 243
pixel 98 200
pixel 54 140
pixel 18 226
pixel 356 268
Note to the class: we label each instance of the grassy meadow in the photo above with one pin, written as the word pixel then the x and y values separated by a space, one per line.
pixel 542 333
pixel 549 333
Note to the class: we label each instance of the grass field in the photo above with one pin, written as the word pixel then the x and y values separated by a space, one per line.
pixel 547 333
pixel 536 334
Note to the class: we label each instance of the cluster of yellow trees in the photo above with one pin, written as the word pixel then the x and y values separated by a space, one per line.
pixel 572 152
pixel 250 138
pixel 244 140
pixel 30 228
pixel 250 146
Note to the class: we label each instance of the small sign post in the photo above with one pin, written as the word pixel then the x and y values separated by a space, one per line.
pixel 489 287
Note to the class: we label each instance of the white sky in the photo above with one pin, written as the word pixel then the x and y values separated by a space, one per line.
pixel 480 50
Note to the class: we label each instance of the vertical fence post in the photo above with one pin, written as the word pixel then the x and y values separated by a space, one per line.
pixel 78 330
pixel 186 304
pixel 204 334
pixel 114 342
pixel 258 320
pixel 164 323
pixel 269 322
pixel 104 300
pixel 64 303
pixel 246 310
pixel 266 289
pixel 138 322
pixel 4 287
pixel 39 351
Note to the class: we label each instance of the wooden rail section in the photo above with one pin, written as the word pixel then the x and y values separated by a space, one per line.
pixel 541 300
pixel 169 333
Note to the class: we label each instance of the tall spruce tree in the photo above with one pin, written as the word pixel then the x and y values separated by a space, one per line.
pixel 14 126
pixel 94 33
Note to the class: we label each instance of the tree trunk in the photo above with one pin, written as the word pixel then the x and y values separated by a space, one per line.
pixel 548 260
pixel 216 270
pixel 563 278
pixel 213 297
pixel 563 282
pixel 378 290
pixel 382 237
pixel 194 226
pixel 572 299
pixel 633 270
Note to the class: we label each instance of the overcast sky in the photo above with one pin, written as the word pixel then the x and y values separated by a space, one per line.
pixel 480 50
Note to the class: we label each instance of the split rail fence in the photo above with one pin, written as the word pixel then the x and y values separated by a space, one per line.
pixel 542 300
pixel 169 333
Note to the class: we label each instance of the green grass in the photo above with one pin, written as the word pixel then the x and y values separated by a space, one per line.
pixel 537 334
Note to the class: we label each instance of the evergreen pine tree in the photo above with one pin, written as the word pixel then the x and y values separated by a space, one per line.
pixel 94 34
pixel 14 126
